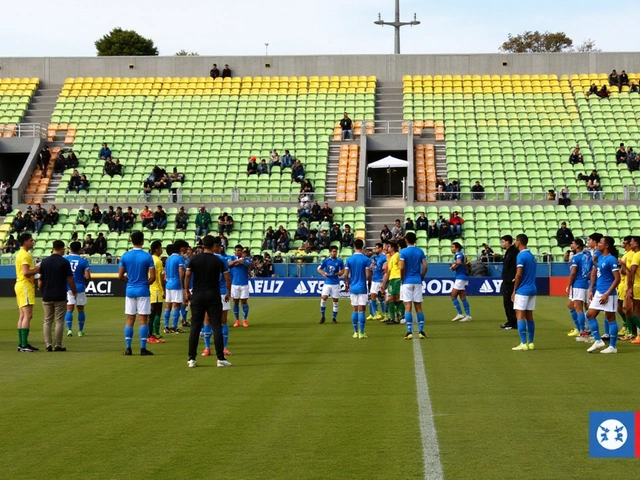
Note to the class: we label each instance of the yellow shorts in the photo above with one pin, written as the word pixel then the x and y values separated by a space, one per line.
pixel 156 296
pixel 25 294
pixel 636 293
pixel 622 290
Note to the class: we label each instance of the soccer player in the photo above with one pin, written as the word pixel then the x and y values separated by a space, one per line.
pixel 207 329
pixel 524 295
pixel 592 242
pixel 378 261
pixel 357 273
pixel 174 284
pixel 25 291
pixel 239 268
pixel 460 283
pixel 413 269
pixel 605 297
pixel 81 275
pixel 182 248
pixel 391 279
pixel 633 285
pixel 138 271
pixel 156 291
pixel 331 268
pixel 578 289
pixel 206 269
pixel 625 308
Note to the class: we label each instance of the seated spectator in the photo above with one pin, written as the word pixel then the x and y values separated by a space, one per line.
pixel 614 79
pixel 302 232
pixel 326 214
pixel 347 127
pixel 105 152
pixel 107 215
pixel 593 90
pixel 287 160
pixel 565 197
pixel 226 71
pixel 306 186
pixel 225 223
pixel 409 225
pixel 52 216
pixel 304 207
pixel 624 80
pixel 182 220
pixel 159 219
pixel 74 182
pixel 632 160
pixel 11 245
pixel 455 225
pixel 454 189
pixel 117 222
pixel 146 190
pixel 108 167
pixel 444 231
pixel 603 92
pixel 19 224
pixel 576 157
pixel 84 183
pixel 421 222
pixel 87 245
pixel 82 218
pixel 72 161
pixel 214 72
pixel 311 244
pixel 324 242
pixel 486 255
pixel 282 245
pixel 176 176
pixel 5 207
pixel 567 256
pixel 117 168
pixel 277 258
pixel 252 166
pixel 43 160
pixel 267 267
pixel 594 176
pixel 37 218
pixel 635 88
pixel 441 187
pixel 621 155
pixel 385 234
pixel 297 172
pixel 477 191
pixel 564 236
pixel 129 218
pixel 100 245
pixel 28 214
pixel 263 168
pixel 315 212
pixel 269 242
pixel 60 163
pixel 274 159
pixel 335 235
pixel 347 237
pixel 146 215
pixel 203 222
pixel 397 231
pixel 96 214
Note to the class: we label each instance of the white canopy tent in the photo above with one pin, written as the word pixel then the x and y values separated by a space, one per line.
pixel 389 162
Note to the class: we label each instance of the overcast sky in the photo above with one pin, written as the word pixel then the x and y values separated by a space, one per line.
pixel 306 27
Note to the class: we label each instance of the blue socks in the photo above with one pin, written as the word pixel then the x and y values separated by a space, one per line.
pixel 373 308
pixel 176 317
pixel 245 311
pixel 128 336
pixel 68 319
pixel 362 318
pixel 613 334
pixel 167 314
pixel 383 306
pixel 522 330
pixel 420 317
pixel 323 307
pixel 456 304
pixel 207 331
pixel 408 316
pixel 531 328
pixel 574 317
pixel 467 310
pixel 595 329
pixel 81 319
pixel 183 311
pixel 236 311
pixel 144 334
pixel 334 314
pixel 582 322
pixel 354 321
pixel 225 335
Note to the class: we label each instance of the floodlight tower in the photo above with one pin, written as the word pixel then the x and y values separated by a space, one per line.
pixel 396 25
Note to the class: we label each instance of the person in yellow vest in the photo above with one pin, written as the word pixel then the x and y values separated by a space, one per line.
pixel 625 307
pixel 25 291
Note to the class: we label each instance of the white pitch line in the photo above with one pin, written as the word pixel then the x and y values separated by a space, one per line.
pixel 430 447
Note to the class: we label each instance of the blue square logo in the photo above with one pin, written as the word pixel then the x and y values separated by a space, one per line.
pixel 612 434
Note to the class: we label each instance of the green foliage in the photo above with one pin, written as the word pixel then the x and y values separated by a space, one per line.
pixel 120 42
pixel 536 42
pixel 184 53
pixel 589 45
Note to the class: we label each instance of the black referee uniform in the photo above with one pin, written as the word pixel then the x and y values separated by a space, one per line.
pixel 508 276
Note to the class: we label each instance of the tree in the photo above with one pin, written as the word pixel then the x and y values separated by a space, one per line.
pixel 589 45
pixel 534 42
pixel 120 42
pixel 184 53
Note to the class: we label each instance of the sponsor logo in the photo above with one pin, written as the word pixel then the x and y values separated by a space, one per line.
pixel 301 289
pixel 486 287
pixel 491 286
pixel 99 289
pixel 613 434
pixel 435 287
pixel 266 286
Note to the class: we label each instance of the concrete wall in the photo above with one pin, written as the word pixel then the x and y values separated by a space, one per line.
pixel 54 70
pixel 27 145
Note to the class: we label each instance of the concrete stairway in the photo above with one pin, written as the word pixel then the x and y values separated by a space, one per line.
pixel 331 186
pixel 42 104
pixel 380 213
pixel 389 106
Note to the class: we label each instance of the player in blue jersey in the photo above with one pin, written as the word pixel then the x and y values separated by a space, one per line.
pixel 331 268
pixel 378 261
pixel 524 293
pixel 81 276
pixel 605 296
pixel 138 271
pixel 413 269
pixel 592 242
pixel 207 329
pixel 578 288
pixel 459 267
pixel 239 268
pixel 357 273
pixel 174 271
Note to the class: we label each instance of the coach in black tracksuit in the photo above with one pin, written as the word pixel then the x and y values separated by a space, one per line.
pixel 508 276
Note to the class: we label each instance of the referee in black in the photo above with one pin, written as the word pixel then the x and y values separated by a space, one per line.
pixel 508 277
pixel 206 269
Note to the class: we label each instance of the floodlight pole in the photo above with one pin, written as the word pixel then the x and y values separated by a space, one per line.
pixel 396 25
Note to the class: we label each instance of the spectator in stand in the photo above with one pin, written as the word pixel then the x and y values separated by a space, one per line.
pixel 100 245
pixel 576 157
pixel 38 218
pixel 267 267
pixel 347 127
pixel 225 223
pixel 105 152
pixel 315 212
pixel 252 166
pixel 603 92
pixel 385 234
pixel 146 215
pixel 108 167
pixel 19 224
pixel 96 214
pixel 11 245
pixel 441 187
pixel 263 168
pixel 287 160
pixel 311 245
pixel 614 79
pixel 564 236
pixel 593 90
pixel 182 220
pixel 5 207
pixel 277 258
pixel 129 218
pixel 159 219
pixel 621 155
pixel 307 187
pixel 397 231
pixel 146 190
pixel 60 163
pixel 594 189
pixel 347 237
pixel 52 216
pixel 74 182
pixel 114 168
pixel 454 188
pixel 159 178
pixel 443 230
pixel 84 183
pixel 336 234
pixel 565 197
pixel 624 79
pixel 477 191
pixel 226 71
pixel 487 254
pixel 409 225
pixel 274 159
pixel 214 72
pixel 326 214
pixel 455 225
pixel 27 216
pixel 176 176
pixel 82 218
pixel 87 245
pixel 107 215
pixel 117 222
pixel 594 176
pixel 282 245
pixel 269 241
pixel 43 160
pixel 224 241
pixel 297 172
pixel 203 222
pixel 304 207
pixel 72 160
pixel 422 222
pixel 324 242
pixel 302 232
pixel 631 160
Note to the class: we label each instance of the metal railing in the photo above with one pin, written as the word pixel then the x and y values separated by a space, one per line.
pixel 629 193
pixel 31 130
pixel 385 126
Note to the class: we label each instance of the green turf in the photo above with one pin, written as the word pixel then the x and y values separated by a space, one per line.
pixel 307 401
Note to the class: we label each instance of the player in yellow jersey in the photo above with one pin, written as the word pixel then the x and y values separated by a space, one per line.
pixel 156 290
pixel 25 290
pixel 624 306
pixel 392 280
pixel 633 284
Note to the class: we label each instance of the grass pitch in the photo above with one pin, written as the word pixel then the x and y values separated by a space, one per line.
pixel 306 401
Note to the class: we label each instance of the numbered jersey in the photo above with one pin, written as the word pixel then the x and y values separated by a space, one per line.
pixel 78 267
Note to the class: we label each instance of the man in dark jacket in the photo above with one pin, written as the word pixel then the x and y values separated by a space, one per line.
pixel 347 127
pixel 508 277
pixel 564 236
